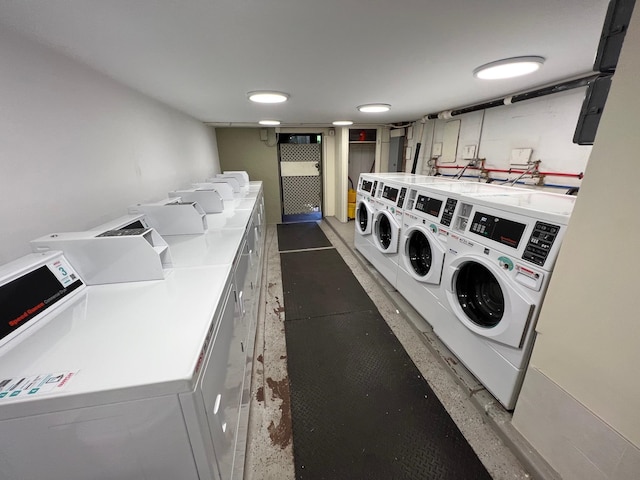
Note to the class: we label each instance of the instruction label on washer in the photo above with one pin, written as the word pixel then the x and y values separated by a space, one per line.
pixel 31 385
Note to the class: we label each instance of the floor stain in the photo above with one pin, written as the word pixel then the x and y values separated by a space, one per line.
pixel 260 394
pixel 260 358
pixel 281 433
pixel 451 361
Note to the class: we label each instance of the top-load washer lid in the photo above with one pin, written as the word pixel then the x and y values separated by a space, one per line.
pixel 210 200
pixel 241 176
pixel 232 181
pixel 386 232
pixel 224 189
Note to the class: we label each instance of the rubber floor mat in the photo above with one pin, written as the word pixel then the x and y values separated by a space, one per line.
pixel 361 409
pixel 318 283
pixel 301 236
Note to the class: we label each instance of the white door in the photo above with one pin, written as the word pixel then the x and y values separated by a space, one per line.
pixel 301 180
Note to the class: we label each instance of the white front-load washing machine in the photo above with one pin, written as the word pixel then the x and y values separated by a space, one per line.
pixel 498 264
pixel 365 209
pixel 362 240
pixel 423 245
pixel 389 205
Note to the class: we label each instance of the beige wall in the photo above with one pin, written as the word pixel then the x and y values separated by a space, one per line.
pixel 242 149
pixel 589 328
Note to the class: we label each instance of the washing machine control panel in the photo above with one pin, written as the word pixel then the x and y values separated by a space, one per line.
pixel 540 243
pixel 390 193
pixel 403 193
pixel 366 185
pixel 447 214
pixel 430 206
pixel 501 230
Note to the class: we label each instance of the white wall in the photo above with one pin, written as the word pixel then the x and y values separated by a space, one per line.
pixel 545 124
pixel 77 148
pixel 588 346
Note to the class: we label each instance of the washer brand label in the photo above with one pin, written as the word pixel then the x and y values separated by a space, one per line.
pixel 454 236
pixel 464 241
pixel 442 231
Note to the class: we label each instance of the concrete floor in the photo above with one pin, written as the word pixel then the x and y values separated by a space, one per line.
pixel 483 422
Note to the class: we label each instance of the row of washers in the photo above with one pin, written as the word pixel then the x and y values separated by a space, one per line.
pixel 394 232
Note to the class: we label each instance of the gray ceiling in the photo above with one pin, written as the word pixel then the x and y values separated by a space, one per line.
pixel 203 56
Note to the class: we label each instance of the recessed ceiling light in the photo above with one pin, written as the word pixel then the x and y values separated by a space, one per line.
pixel 269 122
pixel 340 123
pixel 266 96
pixel 374 107
pixel 508 68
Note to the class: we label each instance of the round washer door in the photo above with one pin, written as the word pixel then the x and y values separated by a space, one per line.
pixel 422 254
pixel 486 301
pixel 364 218
pixel 386 232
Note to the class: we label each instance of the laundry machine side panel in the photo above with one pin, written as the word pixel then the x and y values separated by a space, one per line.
pixel 123 441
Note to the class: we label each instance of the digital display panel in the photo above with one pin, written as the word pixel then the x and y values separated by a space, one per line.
pixel 24 298
pixel 428 205
pixel 498 229
pixel 367 185
pixel 390 193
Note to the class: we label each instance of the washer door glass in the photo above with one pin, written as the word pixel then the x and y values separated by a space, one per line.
pixel 384 231
pixel 479 294
pixel 419 253
pixel 363 217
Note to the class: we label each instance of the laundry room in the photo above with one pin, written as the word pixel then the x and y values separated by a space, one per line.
pixel 451 223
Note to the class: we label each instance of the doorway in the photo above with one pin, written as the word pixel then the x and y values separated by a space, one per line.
pixel 300 163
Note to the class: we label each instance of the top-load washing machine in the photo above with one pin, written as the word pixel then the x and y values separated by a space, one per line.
pixel 499 260
pixel 423 245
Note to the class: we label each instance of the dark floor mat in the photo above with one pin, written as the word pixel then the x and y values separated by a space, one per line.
pixel 318 283
pixel 361 409
pixel 301 236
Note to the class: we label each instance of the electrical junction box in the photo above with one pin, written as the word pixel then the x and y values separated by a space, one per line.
pixel 469 152
pixel 520 156
pixel 437 150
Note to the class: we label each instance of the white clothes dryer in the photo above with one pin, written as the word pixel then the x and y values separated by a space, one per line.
pixel 499 261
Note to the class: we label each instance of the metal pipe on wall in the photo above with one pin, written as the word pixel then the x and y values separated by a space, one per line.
pixel 540 92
